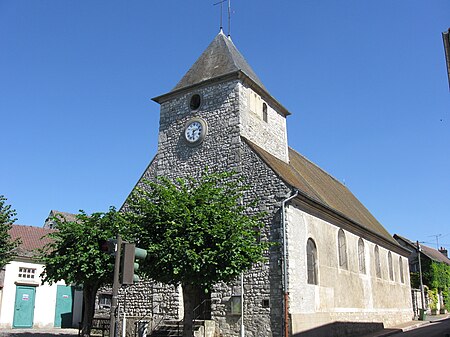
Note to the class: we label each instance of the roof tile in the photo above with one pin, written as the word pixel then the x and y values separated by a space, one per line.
pixel 321 187
pixel 33 238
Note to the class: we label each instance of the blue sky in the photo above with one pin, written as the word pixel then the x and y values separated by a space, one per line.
pixel 365 81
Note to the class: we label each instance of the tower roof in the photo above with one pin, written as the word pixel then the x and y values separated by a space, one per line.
pixel 220 58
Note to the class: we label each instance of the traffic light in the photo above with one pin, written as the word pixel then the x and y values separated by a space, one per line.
pixel 128 264
pixel 108 246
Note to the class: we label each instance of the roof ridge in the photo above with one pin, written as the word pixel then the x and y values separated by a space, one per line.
pixel 248 72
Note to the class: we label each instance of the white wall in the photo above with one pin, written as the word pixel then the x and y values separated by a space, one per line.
pixel 45 298
pixel 270 135
pixel 341 295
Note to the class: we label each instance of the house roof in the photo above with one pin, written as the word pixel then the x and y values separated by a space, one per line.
pixel 67 216
pixel 431 253
pixel 321 188
pixel 32 239
pixel 219 59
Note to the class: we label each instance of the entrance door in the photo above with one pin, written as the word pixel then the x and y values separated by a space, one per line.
pixel 64 304
pixel 24 307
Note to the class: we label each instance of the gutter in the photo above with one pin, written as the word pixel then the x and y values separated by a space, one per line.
pixel 285 272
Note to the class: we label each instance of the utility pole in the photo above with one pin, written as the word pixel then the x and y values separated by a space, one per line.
pixel 115 290
pixel 420 276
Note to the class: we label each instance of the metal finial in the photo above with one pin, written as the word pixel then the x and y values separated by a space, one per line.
pixel 229 18
pixel 221 12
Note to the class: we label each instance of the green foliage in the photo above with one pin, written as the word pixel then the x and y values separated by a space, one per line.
pixel 74 255
pixel 415 280
pixel 7 246
pixel 446 296
pixel 196 231
pixel 433 296
pixel 439 275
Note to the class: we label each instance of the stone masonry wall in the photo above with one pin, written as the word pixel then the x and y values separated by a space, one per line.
pixel 145 300
pixel 263 297
pixel 220 148
pixel 224 149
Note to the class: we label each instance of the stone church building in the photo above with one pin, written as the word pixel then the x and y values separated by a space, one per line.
pixel 334 262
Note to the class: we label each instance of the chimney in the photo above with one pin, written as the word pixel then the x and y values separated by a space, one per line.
pixel 444 251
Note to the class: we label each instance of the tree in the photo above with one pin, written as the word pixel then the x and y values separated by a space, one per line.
pixel 436 275
pixel 197 233
pixel 7 246
pixel 74 255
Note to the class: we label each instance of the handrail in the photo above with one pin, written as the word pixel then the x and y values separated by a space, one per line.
pixel 145 316
pixel 201 305
pixel 202 312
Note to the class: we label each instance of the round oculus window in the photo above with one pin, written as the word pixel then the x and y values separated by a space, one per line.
pixel 195 102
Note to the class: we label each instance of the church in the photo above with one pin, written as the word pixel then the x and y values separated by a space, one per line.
pixel 333 265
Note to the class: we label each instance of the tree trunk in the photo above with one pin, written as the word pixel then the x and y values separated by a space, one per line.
pixel 89 293
pixel 190 301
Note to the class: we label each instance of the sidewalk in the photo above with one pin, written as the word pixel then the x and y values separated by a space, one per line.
pixel 407 326
pixel 52 332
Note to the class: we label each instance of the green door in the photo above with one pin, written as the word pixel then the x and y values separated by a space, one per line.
pixel 24 307
pixel 63 310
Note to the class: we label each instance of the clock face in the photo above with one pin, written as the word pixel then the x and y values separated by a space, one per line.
pixel 195 131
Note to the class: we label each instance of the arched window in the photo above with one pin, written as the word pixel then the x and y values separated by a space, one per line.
pixel 265 118
pixel 311 260
pixel 391 267
pixel 361 256
pixel 377 262
pixel 342 244
pixel 400 263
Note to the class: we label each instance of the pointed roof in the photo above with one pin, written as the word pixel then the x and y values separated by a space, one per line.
pixel 49 222
pixel 219 59
pixel 219 62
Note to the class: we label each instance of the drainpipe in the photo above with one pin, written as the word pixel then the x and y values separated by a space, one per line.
pixel 242 306
pixel 285 272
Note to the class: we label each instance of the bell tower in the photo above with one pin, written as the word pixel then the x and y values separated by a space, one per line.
pixel 218 101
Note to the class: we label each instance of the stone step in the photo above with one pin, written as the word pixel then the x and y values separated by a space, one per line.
pixel 172 328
